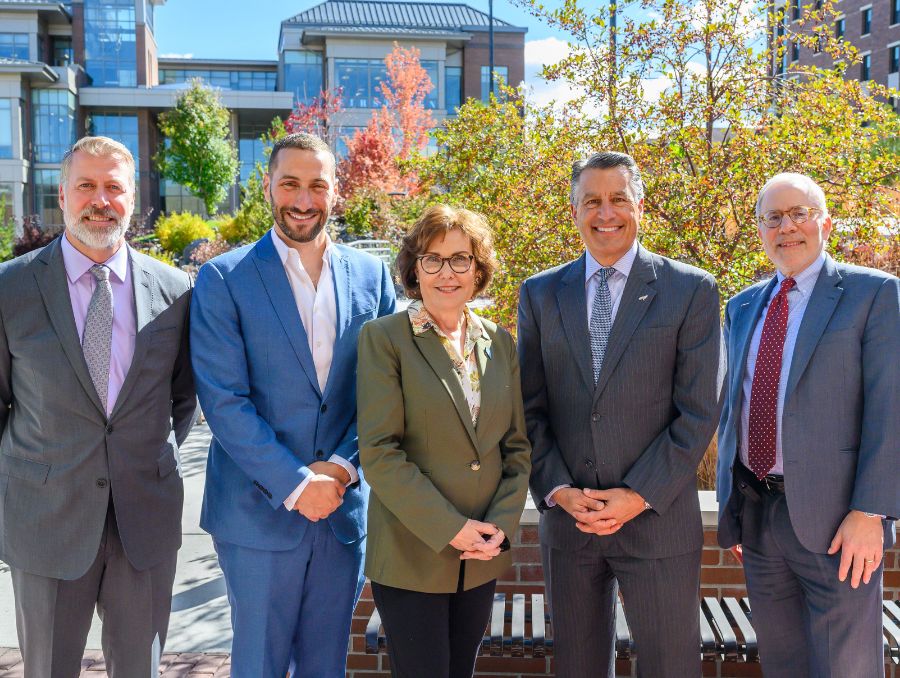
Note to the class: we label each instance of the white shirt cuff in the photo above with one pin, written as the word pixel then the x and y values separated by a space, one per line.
pixel 295 495
pixel 351 469
pixel 548 501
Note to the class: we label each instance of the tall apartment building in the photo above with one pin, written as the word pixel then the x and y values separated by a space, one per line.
pixel 92 66
pixel 872 26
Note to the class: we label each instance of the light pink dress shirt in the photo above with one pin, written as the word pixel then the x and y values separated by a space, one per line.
pixel 124 329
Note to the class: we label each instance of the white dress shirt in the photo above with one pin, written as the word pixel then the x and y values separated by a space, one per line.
pixel 317 307
pixel 616 284
pixel 798 299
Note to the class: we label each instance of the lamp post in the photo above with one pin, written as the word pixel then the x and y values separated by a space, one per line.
pixel 491 44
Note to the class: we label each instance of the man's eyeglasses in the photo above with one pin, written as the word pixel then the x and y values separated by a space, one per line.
pixel 799 215
pixel 459 263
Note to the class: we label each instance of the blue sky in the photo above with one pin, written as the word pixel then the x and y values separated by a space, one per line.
pixel 248 29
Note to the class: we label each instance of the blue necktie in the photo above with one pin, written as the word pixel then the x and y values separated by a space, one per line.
pixel 601 320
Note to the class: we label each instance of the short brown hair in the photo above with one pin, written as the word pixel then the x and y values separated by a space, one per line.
pixel 438 220
pixel 99 147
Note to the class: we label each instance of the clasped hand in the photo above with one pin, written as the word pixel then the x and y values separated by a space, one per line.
pixel 478 540
pixel 600 512
pixel 324 492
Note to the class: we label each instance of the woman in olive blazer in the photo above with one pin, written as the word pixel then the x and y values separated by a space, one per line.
pixel 443 446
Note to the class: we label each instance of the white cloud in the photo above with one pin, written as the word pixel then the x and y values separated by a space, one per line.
pixel 172 55
pixel 545 51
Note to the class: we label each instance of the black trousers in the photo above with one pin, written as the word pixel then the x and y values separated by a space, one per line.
pixel 434 634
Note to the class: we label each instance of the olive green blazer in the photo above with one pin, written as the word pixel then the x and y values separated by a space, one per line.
pixel 429 468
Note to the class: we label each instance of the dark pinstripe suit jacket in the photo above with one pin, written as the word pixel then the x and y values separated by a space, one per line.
pixel 652 413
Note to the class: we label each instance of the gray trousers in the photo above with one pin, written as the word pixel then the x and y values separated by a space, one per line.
pixel 53 616
pixel 808 624
pixel 662 606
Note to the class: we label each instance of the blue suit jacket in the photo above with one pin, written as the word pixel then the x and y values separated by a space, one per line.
pixel 257 385
pixel 841 420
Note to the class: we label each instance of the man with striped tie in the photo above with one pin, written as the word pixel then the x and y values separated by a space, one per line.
pixel 808 442
pixel 622 369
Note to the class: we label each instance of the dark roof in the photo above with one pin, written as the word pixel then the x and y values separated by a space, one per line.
pixel 380 14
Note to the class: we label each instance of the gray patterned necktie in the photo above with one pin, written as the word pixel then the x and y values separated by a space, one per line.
pixel 601 319
pixel 96 342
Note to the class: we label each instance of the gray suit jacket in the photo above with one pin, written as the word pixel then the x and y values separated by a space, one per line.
pixel 841 420
pixel 60 456
pixel 652 413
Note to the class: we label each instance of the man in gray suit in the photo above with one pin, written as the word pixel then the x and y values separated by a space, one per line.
pixel 96 394
pixel 808 442
pixel 622 369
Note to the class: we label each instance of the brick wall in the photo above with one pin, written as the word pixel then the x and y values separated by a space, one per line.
pixel 721 576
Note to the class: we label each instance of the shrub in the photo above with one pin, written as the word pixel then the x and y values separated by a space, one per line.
pixel 253 218
pixel 176 231
pixel 33 236
pixel 7 231
pixel 209 250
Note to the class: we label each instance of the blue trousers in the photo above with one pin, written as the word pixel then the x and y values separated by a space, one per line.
pixel 291 610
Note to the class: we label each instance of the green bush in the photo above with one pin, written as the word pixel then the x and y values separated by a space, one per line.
pixel 7 232
pixel 176 231
pixel 253 218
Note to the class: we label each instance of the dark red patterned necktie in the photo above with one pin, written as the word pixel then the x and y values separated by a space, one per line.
pixel 766 375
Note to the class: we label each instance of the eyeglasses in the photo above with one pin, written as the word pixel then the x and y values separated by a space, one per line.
pixel 799 215
pixel 459 263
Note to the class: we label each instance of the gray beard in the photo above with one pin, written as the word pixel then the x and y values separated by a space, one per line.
pixel 99 239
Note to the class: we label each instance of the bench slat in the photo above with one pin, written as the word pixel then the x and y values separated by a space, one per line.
pixel 538 626
pixel 737 617
pixel 891 630
pixel 498 614
pixel 374 641
pixel 517 629
pixel 723 629
pixel 624 644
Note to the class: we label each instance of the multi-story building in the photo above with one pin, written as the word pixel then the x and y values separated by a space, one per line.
pixel 872 26
pixel 91 66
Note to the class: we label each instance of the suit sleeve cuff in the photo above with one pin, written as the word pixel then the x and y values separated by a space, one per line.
pixel 548 501
pixel 295 495
pixel 350 468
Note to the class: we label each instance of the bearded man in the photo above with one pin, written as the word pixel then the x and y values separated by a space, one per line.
pixel 273 329
pixel 96 395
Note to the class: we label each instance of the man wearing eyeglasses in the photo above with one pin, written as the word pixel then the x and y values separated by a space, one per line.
pixel 808 442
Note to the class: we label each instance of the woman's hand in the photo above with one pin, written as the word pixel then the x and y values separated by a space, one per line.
pixel 478 540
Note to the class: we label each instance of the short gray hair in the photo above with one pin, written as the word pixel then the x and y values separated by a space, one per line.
pixel 99 147
pixel 800 181
pixel 608 160
pixel 301 141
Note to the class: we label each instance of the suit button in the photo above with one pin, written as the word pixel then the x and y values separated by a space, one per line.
pixel 595 416
pixel 589 463
pixel 102 482
pixel 323 408
pixel 109 428
pixel 319 454
pixel 475 465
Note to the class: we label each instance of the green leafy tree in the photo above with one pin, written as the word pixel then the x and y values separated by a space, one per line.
pixel 7 231
pixel 198 151
pixel 254 217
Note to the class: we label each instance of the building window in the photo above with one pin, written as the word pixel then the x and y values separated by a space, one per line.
pixel 865 67
pixel 62 50
pixel 303 74
pixel 795 51
pixel 148 13
pixel 453 81
pixel 431 99
pixel 795 9
pixel 124 129
pixel 895 12
pixel 259 81
pixel 176 198
pixel 251 149
pixel 347 134
pixel 839 28
pixel 360 80
pixel 6 129
pixel 14 45
pixel 866 17
pixel 894 58
pixel 110 48
pixel 46 196
pixel 502 78
pixel 54 123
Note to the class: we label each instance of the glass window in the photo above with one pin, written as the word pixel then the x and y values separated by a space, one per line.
pixel 431 99
pixel 110 49
pixel 795 9
pixel 6 149
pixel 453 80
pixel 347 133
pixel 895 12
pixel 62 50
pixel 46 196
pixel 839 28
pixel 894 58
pixel 148 13
pixel 14 45
pixel 795 51
pixel 866 15
pixel 54 123
pixel 360 80
pixel 502 73
pixel 124 129
pixel 176 198
pixel 260 81
pixel 250 152
pixel 303 74
pixel 865 68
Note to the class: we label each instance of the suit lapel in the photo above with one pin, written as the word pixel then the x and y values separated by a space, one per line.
pixel 340 268
pixel 146 288
pixel 742 330
pixel 429 345
pixel 51 281
pixel 490 392
pixel 636 299
pixel 572 302
pixel 275 282
pixel 822 302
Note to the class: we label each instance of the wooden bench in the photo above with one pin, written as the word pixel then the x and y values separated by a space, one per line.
pixel 518 629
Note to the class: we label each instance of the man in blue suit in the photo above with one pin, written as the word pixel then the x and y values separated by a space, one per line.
pixel 808 443
pixel 273 333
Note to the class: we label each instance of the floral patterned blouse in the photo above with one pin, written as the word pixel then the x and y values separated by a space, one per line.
pixel 465 367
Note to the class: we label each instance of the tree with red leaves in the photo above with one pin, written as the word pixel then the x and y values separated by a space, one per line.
pixel 318 116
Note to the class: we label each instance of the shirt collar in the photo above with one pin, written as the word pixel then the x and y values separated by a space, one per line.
pixel 285 252
pixel 623 265
pixel 806 279
pixel 77 264
pixel 421 322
